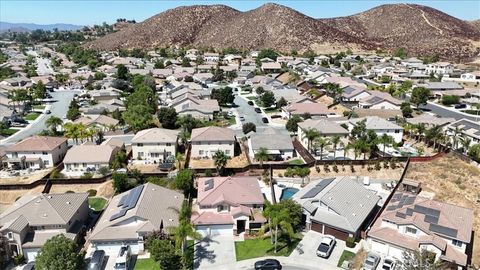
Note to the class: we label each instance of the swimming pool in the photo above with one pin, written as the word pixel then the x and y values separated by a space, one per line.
pixel 287 193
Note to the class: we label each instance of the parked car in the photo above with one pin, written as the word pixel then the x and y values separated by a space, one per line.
pixel 461 106
pixel 242 118
pixel 265 120
pixel 48 112
pixel 258 110
pixel 97 260
pixel 326 246
pixel 250 103
pixel 371 262
pixel 122 262
pixel 389 264
pixel 268 264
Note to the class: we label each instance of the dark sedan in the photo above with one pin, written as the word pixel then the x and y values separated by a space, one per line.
pixel 268 264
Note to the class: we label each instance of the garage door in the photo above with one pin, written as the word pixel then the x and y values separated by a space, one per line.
pixel 30 254
pixel 113 248
pixel 212 230
pixel 328 230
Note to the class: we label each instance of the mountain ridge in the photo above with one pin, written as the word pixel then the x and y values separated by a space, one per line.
pixel 5 26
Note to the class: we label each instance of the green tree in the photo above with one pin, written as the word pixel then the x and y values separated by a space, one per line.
pixel 400 52
pixel 249 127
pixel 220 159
pixel 268 99
pixel 262 155
pixel 59 253
pixel 267 53
pixel 434 134
pixel 320 143
pixel 119 160
pixel 335 140
pixel 53 122
pixel 4 251
pixel 385 140
pixel 98 76
pixel 182 231
pixel 302 172
pixel 310 134
pixel 406 109
pixel 164 252
pixel 138 117
pixel 40 90
pixel 292 123
pixel 420 96
pixel 184 181
pixel 159 64
pixel 281 102
pixel 179 158
pixel 120 182
pixel 474 152
pixel 167 117
pixel 223 95
pixel 465 141
pixel 186 62
pixel 188 123
pixel 259 90
pixel 279 221
pixel 422 260
pixel 122 72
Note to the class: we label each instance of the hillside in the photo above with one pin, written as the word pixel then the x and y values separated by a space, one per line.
pixel 420 30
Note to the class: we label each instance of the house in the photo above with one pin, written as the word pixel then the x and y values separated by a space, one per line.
pixel 387 114
pixel 198 108
pixel 463 128
pixel 132 215
pixel 207 141
pixel 439 68
pixel 429 120
pixel 203 78
pixel 379 100
pixel 102 122
pixel 211 57
pixel 412 62
pixel 228 206
pixel 104 94
pixel 441 86
pixel 411 222
pixel 154 144
pixel 380 126
pixel 277 142
pixel 34 219
pixel 99 109
pixel 84 69
pixel 89 157
pixel 312 108
pixel 36 152
pixel 328 210
pixel 271 67
pixel 325 127
pixel 354 93
pixel 471 76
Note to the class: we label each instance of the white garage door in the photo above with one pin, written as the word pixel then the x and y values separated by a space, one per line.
pixel 30 254
pixel 113 248
pixel 212 230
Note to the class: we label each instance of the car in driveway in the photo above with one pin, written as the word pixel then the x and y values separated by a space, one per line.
pixel 371 262
pixel 268 264
pixel 250 103
pixel 265 120
pixel 97 260
pixel 389 264
pixel 122 262
pixel 258 110
pixel 242 118
pixel 326 246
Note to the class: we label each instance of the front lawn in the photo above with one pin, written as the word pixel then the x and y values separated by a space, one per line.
pixel 146 264
pixel 7 132
pixel 32 116
pixel 39 107
pixel 252 98
pixel 254 248
pixel 97 203
pixel 273 110
pixel 346 256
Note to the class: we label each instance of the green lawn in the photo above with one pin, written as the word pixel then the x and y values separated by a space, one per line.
pixel 346 256
pixel 232 120
pixel 295 161
pixel 32 116
pixel 254 248
pixel 97 203
pixel 146 264
pixel 273 110
pixel 8 131
pixel 251 98
pixel 39 107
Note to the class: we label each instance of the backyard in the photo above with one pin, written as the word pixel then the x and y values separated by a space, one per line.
pixel 97 203
pixel 146 264
pixel 453 181
pixel 262 246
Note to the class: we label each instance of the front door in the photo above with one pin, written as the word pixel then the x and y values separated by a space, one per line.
pixel 241 226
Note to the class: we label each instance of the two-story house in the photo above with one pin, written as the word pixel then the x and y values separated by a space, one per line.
pixel 33 219
pixel 89 157
pixel 207 141
pixel 380 126
pixel 326 127
pixel 36 152
pixel 132 215
pixel 465 128
pixel 228 205
pixel 411 222
pixel 154 143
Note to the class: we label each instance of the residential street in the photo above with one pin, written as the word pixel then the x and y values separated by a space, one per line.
pixel 44 66
pixel 58 108
pixel 447 113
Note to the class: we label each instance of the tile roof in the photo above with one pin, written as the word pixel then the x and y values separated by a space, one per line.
pixel 235 190
pixel 37 143
pixel 272 139
pixel 212 133
pixel 314 109
pixel 156 135
pixel 375 123
pixel 324 126
pixel 90 154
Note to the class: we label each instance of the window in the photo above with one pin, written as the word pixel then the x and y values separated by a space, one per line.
pixel 46 162
pixel 139 144
pixel 200 152
pixel 457 243
pixel 227 152
pixel 411 230
pixel 397 131
pixel 140 154
pixel 84 164
pixel 44 153
pixel 10 235
pixel 169 144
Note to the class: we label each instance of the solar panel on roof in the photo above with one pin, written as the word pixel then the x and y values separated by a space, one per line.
pixel 317 188
pixel 443 230
pixel 208 184
pixel 396 197
pixel 409 211
pixel 122 200
pixel 410 200
pixel 391 207
pixel 129 201
pixel 426 210
pixel 400 215
pixel 431 219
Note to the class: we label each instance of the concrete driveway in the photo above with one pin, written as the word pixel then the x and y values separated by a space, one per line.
pixel 306 252
pixel 216 252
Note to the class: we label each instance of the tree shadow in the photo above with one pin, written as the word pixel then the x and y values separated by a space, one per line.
pixel 202 252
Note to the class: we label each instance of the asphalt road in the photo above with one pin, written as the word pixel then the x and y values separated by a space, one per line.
pixel 446 112
pixel 58 108
pixel 248 112
pixel 44 66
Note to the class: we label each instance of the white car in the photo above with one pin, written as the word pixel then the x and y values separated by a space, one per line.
pixel 326 246
pixel 389 264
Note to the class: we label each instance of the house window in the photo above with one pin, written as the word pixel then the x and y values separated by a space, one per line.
pixel 10 235
pixel 397 131
pixel 84 164
pixel 227 152
pixel 46 162
pixel 139 144
pixel 457 243
pixel 411 230
pixel 140 154
pixel 44 153
pixel 221 208
pixel 200 152
pixel 169 144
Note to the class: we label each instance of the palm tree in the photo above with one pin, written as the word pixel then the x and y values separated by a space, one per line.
pixel 386 140
pixel 465 141
pixel 320 143
pixel 434 134
pixel 456 132
pixel 53 122
pixel 310 135
pixel 221 160
pixel 420 129
pixel 179 158
pixel 262 155
pixel 346 149
pixel 71 131
pixel 184 135
pixel 185 228
pixel 361 146
pixel 278 220
pixel 335 140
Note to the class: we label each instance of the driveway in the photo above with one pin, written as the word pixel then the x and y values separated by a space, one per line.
pixel 215 253
pixel 305 252
pixel 58 108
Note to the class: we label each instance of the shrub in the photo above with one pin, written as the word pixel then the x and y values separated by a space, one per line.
pixel 208 173
pixel 69 191
pixel 55 174
pixel 92 192
pixel 280 175
pixel 86 175
pixel 350 242
pixel 103 171
pixel 19 259
pixel 450 99
pixel 377 166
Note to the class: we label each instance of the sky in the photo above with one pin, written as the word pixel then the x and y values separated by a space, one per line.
pixel 89 12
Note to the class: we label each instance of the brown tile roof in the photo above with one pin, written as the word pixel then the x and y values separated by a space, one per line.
pixel 90 154
pixel 37 143
pixel 236 191
pixel 312 108
pixel 212 134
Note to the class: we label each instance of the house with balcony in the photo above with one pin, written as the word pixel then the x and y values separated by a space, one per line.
pixel 89 157
pixel 207 141
pixel 154 145
pixel 228 206
pixel 33 219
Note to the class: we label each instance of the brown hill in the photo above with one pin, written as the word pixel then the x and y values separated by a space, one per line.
pixel 475 24
pixel 420 30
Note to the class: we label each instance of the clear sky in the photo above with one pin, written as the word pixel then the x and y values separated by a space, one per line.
pixel 88 12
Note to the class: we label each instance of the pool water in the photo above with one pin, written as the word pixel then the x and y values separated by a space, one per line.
pixel 287 193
